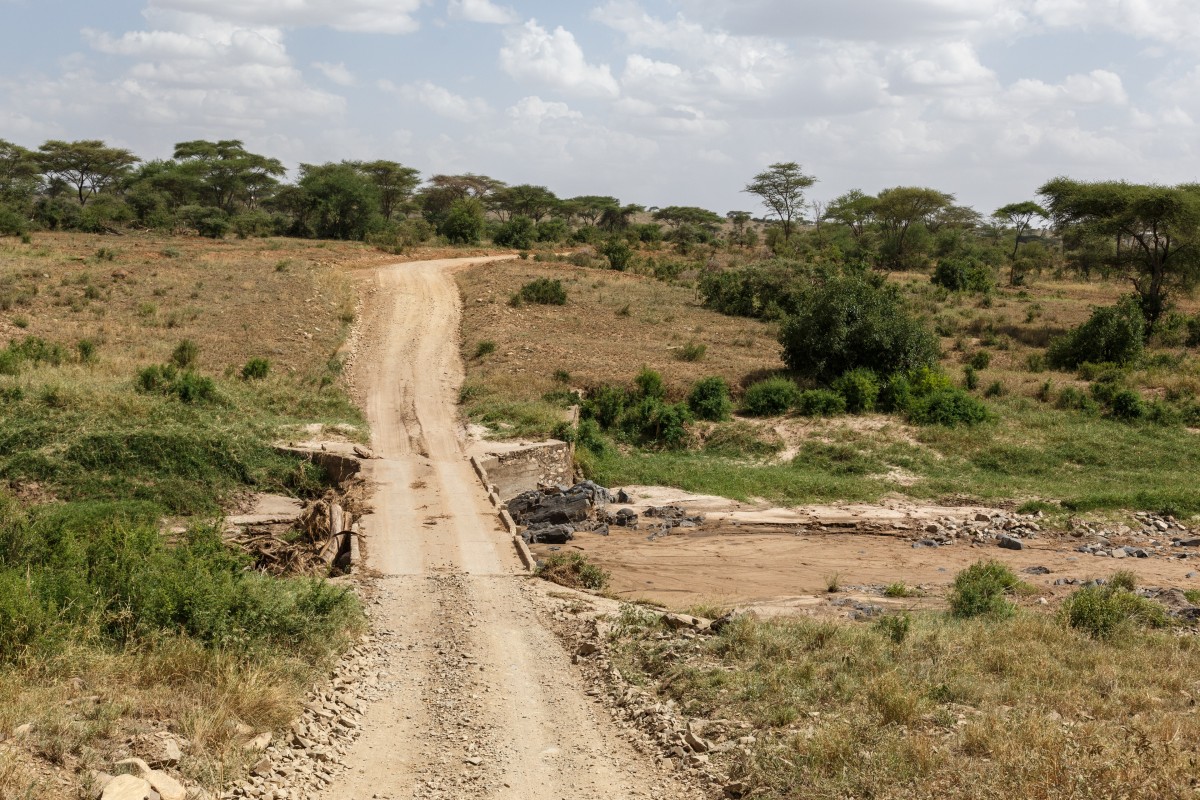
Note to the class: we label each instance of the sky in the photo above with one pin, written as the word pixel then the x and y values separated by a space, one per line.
pixel 657 102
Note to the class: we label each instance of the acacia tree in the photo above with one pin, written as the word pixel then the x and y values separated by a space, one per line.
pixel 781 188
pixel 18 173
pixel 898 211
pixel 854 209
pixel 525 200
pixel 88 165
pixel 1154 231
pixel 393 181
pixel 1019 216
pixel 227 173
pixel 590 207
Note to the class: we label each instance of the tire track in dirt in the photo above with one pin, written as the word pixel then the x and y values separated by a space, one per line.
pixel 485 702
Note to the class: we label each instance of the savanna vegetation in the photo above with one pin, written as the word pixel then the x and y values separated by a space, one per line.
pixel 1041 355
pixel 143 383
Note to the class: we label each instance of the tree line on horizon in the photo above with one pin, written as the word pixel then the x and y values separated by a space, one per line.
pixel 1149 235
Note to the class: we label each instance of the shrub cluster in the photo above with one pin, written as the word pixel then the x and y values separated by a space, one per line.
pixel 643 414
pixel 1112 335
pixel 185 384
pixel 924 394
pixel 850 322
pixel 981 590
pixel 543 291
pixel 1103 612
pixel 30 350
pixel 84 570
pixel 964 274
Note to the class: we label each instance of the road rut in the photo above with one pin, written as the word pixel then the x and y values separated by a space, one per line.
pixel 483 700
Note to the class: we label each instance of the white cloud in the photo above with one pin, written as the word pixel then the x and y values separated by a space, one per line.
pixel 440 100
pixel 484 11
pixel 364 16
pixel 535 109
pixel 555 59
pixel 338 73
pixel 951 66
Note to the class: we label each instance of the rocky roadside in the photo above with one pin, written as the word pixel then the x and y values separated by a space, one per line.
pixel 699 751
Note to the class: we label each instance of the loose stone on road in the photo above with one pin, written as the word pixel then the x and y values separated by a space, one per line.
pixel 481 700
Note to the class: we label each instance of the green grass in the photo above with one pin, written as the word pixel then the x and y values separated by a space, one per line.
pixel 1030 453
pixel 94 436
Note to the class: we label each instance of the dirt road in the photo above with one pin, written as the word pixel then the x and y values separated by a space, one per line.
pixel 484 702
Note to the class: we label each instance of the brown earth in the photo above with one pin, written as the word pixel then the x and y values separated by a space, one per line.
pixel 780 561
pixel 487 703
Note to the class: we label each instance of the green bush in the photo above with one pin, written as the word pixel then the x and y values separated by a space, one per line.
pixel 207 221
pixel 981 359
pixel 650 384
pixel 518 233
pixel 605 405
pixel 963 274
pixel 981 589
pixel 949 407
pixel 710 399
pixel 573 570
pixel 1112 335
pixel 618 252
pixel 849 322
pixel 692 351
pixel 1075 399
pixel 860 387
pixel 895 626
pixel 105 570
pixel 187 385
pixel 654 421
pixel 970 378
pixel 86 348
pixel 256 369
pixel 185 354
pixel 770 397
pixel 1193 331
pixel 485 348
pixel 820 403
pixel 12 223
pixel 1128 405
pixel 464 222
pixel 545 292
pixel 1103 612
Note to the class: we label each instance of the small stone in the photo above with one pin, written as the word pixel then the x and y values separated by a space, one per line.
pixel 259 743
pixel 126 787
pixel 1009 543
pixel 587 649
pixel 21 731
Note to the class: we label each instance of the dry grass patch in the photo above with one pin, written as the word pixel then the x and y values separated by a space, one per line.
pixel 612 325
pixel 937 707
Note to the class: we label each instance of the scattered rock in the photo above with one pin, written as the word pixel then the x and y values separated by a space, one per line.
pixel 126 787
pixel 1009 543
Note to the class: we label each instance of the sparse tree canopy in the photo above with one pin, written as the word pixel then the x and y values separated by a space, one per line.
pixel 781 188
pixel 854 209
pixel 1019 216
pixel 466 185
pixel 898 210
pixel 677 216
pixel 394 182
pixel 89 166
pixel 1154 230
pixel 525 200
pixel 18 173
pixel 590 208
pixel 228 175
pixel 617 218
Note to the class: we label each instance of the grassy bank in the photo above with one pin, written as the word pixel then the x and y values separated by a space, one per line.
pixel 1038 449
pixel 1029 454
pixel 146 379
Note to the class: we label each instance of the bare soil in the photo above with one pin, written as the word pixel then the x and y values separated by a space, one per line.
pixel 781 561
pixel 487 703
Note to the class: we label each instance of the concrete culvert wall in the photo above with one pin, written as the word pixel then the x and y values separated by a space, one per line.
pixel 520 470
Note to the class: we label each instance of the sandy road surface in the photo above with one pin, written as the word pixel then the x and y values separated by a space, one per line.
pixel 484 701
